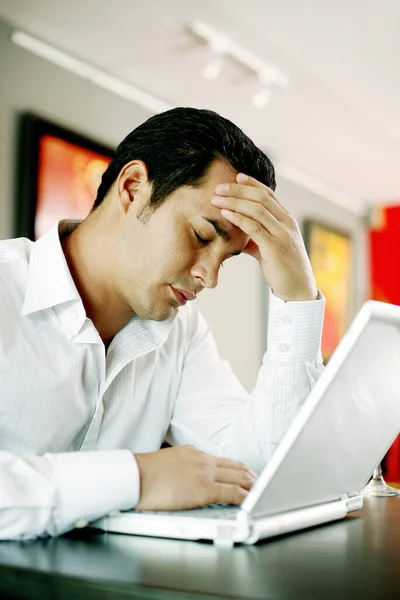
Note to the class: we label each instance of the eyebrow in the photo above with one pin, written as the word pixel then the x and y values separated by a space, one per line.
pixel 222 233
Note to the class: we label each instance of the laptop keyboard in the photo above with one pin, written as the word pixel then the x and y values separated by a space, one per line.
pixel 212 511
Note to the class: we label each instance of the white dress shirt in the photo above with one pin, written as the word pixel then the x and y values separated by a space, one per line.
pixel 72 414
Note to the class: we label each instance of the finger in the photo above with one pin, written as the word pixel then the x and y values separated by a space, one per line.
pixel 226 493
pixel 247 180
pixel 254 229
pixel 262 196
pixel 228 463
pixel 239 190
pixel 255 211
pixel 252 249
pixel 234 477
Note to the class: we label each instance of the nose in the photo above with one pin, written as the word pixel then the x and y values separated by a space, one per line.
pixel 207 271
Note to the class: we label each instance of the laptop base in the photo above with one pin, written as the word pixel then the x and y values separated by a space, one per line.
pixel 223 531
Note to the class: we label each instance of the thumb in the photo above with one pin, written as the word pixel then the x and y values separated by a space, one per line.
pixel 252 249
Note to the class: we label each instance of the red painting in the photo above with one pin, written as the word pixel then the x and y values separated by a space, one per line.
pixel 67 181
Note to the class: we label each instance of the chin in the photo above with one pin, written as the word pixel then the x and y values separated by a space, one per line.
pixel 160 318
pixel 163 315
pixel 157 313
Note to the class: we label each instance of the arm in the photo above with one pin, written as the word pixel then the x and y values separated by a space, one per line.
pixel 215 413
pixel 211 409
pixel 50 494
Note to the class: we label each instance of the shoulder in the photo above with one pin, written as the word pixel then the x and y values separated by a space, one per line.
pixel 15 250
pixel 14 265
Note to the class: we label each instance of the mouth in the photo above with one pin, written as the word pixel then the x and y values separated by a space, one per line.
pixel 182 296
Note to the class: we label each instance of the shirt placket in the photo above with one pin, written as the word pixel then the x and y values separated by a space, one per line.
pixel 121 353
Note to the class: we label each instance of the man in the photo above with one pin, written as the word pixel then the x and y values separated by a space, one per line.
pixel 103 356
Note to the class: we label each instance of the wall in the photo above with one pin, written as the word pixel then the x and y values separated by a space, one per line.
pixel 305 205
pixel 237 309
pixel 28 82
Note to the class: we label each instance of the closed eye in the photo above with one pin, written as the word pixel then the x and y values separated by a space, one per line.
pixel 201 240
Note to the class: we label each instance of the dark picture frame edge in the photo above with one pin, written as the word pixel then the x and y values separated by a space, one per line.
pixel 30 128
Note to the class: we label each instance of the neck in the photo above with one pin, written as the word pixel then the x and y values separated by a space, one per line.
pixel 84 250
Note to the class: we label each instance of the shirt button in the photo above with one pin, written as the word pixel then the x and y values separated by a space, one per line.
pixel 74 315
pixel 284 347
pixel 287 319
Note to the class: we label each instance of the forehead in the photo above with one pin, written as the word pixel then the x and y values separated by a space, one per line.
pixel 198 201
pixel 200 196
pixel 220 171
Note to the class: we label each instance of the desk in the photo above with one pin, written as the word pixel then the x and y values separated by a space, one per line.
pixel 358 557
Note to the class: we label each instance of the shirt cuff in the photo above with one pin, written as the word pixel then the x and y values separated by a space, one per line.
pixel 295 329
pixel 92 484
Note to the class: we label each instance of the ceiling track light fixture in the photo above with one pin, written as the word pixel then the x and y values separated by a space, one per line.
pixel 222 48
pixel 87 71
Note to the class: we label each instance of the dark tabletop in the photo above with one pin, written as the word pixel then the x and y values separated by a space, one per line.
pixel 358 557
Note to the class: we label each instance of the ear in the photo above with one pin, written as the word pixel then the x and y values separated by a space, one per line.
pixel 133 185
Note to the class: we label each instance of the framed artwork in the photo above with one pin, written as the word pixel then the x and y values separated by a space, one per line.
pixel 58 174
pixel 329 250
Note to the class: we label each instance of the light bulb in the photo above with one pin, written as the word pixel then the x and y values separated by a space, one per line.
pixel 213 69
pixel 261 98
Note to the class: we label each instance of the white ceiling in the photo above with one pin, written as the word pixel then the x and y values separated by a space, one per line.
pixel 339 121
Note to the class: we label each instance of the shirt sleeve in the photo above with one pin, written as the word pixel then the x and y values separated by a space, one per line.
pixel 214 412
pixel 51 494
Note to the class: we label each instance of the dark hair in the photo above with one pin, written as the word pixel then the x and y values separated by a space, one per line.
pixel 179 145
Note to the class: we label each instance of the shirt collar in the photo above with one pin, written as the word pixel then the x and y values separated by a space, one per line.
pixel 49 280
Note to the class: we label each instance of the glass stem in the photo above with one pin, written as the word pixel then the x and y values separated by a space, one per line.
pixel 378 472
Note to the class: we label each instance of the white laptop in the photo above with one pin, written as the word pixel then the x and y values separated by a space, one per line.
pixel 318 472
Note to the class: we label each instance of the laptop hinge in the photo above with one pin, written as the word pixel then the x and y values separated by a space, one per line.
pixel 350 495
pixel 353 500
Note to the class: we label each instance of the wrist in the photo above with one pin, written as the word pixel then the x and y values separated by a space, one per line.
pixel 299 296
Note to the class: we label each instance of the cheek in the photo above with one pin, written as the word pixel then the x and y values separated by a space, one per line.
pixel 181 250
pixel 171 259
pixel 182 259
pixel 169 247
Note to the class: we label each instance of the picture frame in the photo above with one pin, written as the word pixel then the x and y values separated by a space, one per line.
pixel 57 175
pixel 330 253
